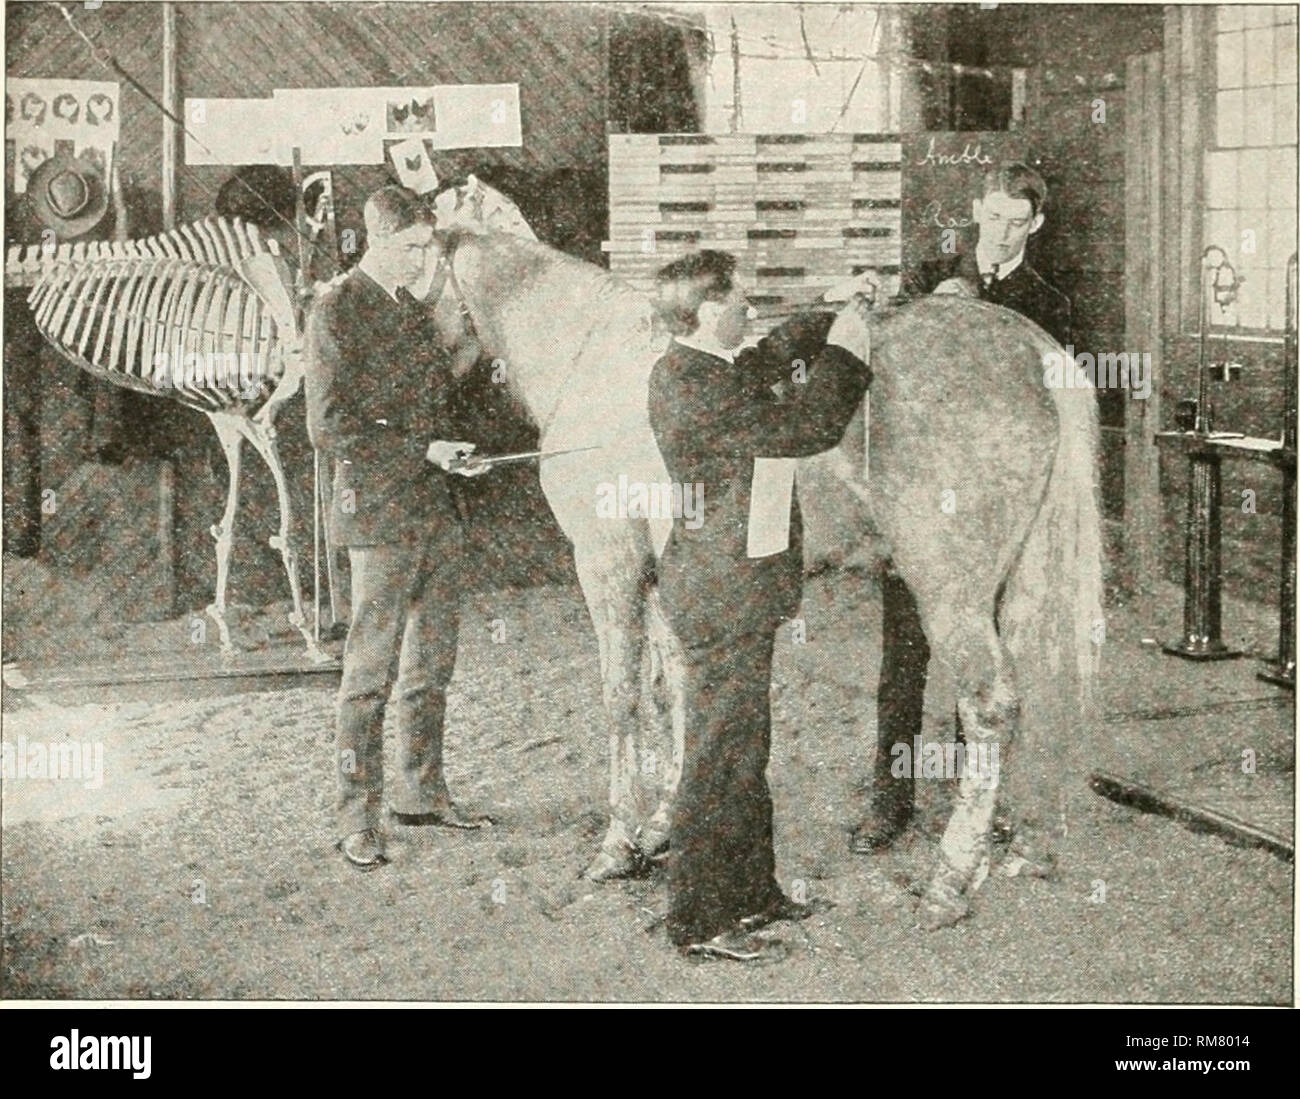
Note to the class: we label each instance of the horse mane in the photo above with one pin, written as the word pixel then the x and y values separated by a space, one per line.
pixel 522 261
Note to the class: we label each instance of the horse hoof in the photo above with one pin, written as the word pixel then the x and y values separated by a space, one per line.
pixel 936 913
pixel 1027 861
pixel 944 902
pixel 608 866
pixel 879 828
pixel 653 841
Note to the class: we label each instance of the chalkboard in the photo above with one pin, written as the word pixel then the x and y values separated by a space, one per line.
pixel 942 173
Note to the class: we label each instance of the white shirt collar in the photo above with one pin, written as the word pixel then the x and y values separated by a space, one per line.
pixel 1004 269
pixel 728 353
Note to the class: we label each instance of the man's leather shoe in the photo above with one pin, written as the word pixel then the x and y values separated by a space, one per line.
pixel 364 849
pixel 879 828
pixel 737 945
pixel 783 908
pixel 450 817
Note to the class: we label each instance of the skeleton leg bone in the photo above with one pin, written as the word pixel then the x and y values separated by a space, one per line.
pixel 262 436
pixel 232 438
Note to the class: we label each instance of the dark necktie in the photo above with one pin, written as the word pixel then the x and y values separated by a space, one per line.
pixel 990 276
pixel 405 298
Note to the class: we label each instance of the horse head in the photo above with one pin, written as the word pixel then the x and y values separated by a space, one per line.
pixel 475 207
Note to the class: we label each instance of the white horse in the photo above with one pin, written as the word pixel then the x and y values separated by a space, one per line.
pixel 1007 579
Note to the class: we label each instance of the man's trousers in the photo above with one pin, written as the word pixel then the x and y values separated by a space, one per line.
pixel 722 867
pixel 405 618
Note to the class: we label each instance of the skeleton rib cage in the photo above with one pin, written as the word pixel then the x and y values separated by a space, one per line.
pixel 202 314
pixel 178 314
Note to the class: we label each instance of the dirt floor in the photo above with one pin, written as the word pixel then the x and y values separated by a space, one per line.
pixel 203 868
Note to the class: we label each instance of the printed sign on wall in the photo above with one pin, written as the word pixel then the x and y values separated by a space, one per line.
pixel 39 112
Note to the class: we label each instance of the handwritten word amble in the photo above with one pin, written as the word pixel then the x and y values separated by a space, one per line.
pixel 966 156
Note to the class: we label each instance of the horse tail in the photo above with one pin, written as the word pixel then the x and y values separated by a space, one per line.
pixel 1052 624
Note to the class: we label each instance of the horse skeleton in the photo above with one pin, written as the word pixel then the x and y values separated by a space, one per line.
pixel 163 315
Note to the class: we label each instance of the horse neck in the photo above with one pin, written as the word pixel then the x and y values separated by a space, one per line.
pixel 537 324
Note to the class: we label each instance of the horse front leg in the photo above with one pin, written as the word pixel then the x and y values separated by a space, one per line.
pixel 668 719
pixel 611 581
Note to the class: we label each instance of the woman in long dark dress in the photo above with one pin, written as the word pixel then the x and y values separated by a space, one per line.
pixel 728 583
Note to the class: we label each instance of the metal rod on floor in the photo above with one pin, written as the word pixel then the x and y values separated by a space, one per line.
pixel 1146 800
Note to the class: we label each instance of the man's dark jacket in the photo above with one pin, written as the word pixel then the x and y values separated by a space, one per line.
pixel 1024 290
pixel 377 385
pixel 711 419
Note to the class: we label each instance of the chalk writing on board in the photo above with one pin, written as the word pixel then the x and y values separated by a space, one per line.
pixel 934 215
pixel 966 156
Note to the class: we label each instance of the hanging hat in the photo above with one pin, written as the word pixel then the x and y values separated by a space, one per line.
pixel 68 195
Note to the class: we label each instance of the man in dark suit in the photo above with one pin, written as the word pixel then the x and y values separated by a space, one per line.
pixel 1008 214
pixel 732 573
pixel 376 385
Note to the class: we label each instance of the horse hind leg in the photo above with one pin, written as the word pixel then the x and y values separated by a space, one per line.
pixel 989 710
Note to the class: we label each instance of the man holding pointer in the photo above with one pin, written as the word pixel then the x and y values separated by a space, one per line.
pixel 377 383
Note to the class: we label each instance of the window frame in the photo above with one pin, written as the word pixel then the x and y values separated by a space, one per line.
pixel 1207 62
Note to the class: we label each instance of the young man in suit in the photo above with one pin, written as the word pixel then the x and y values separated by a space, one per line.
pixel 1008 214
pixel 376 383
pixel 729 580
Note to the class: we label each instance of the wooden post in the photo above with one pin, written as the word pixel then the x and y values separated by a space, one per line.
pixel 1145 179
pixel 171 99
pixel 1203 569
pixel 166 539
pixel 167 472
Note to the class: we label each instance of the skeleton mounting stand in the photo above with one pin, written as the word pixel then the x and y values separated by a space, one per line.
pixel 202 314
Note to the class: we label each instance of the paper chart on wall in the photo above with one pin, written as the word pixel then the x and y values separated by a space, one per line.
pixel 234 131
pixel 477 116
pixel 455 116
pixel 411 160
pixel 333 125
pixel 40 112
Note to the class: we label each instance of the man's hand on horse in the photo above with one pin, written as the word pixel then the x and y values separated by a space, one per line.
pixel 455 458
pixel 963 288
pixel 850 329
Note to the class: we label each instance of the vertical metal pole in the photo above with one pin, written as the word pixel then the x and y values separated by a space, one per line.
pixel 315 542
pixel 1202 558
pixel 1282 671
pixel 171 100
